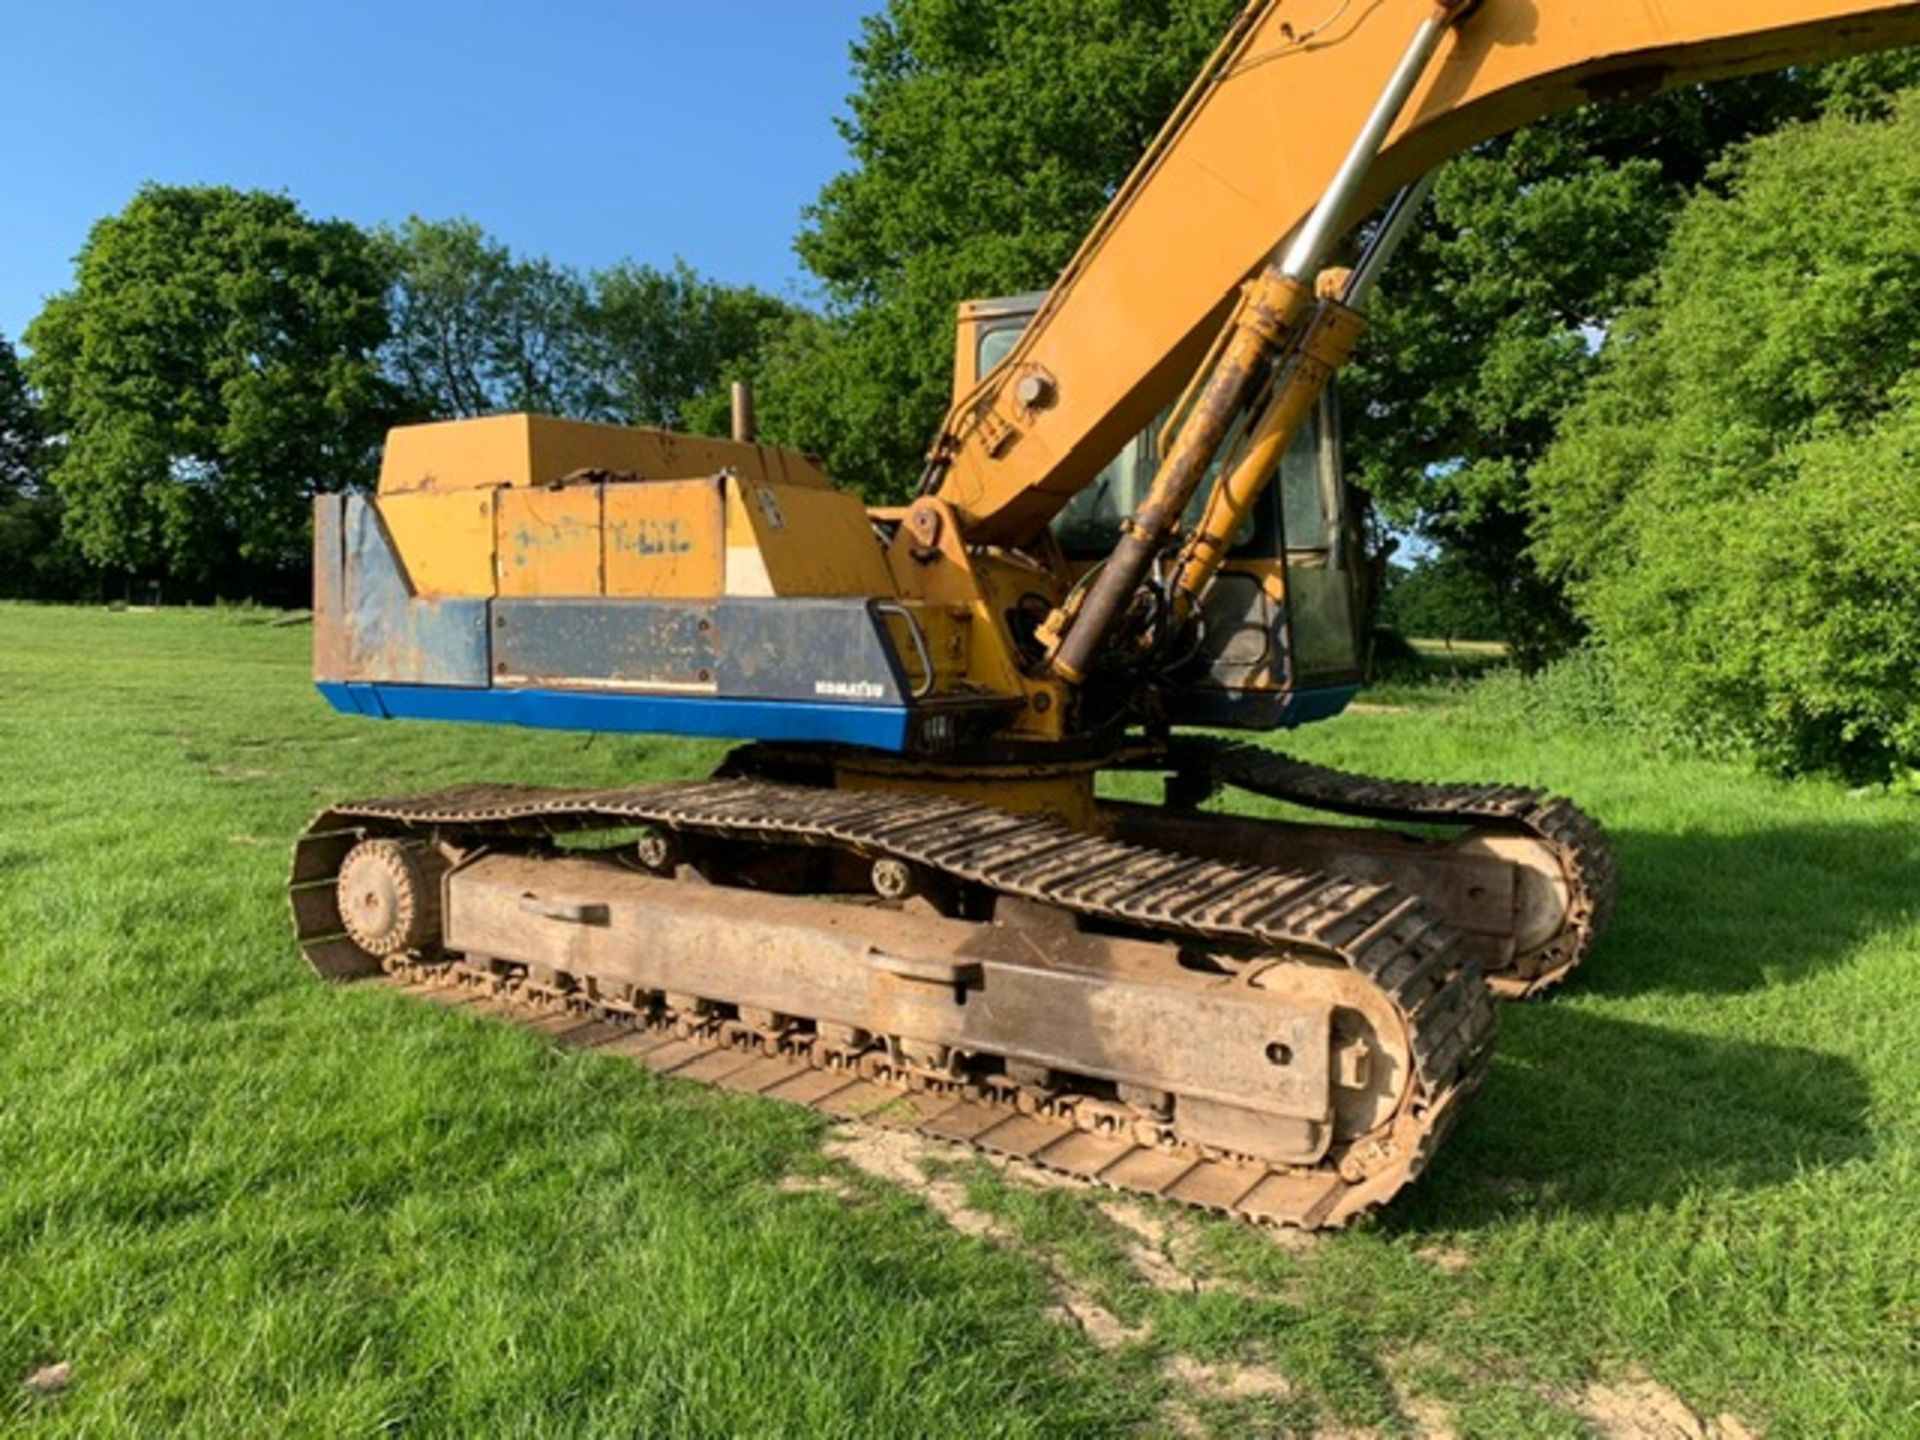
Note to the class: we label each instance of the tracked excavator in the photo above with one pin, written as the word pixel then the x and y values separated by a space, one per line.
pixel 905 896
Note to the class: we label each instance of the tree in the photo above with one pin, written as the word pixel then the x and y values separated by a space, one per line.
pixel 670 341
pixel 1734 503
pixel 22 445
pixel 212 368
pixel 35 563
pixel 1440 598
pixel 986 138
pixel 477 330
pixel 1488 328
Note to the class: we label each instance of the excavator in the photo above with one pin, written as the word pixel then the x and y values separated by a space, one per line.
pixel 911 894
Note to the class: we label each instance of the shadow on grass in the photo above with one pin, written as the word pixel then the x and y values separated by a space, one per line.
pixel 1598 1115
pixel 1726 914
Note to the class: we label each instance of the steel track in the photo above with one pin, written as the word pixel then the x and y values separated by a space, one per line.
pixel 1574 838
pixel 1415 961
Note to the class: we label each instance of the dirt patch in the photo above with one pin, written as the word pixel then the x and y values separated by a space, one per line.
pixel 1447 1257
pixel 1426 1417
pixel 1151 1251
pixel 1229 1382
pixel 1073 1306
pixel 1429 1418
pixel 1154 1250
pixel 1638 1407
pixel 1197 1381
pixel 901 1158
pixel 1153 1231
pixel 816 1185
pixel 50 1379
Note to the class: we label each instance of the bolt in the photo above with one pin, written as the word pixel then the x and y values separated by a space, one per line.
pixel 1279 1054
pixel 1034 392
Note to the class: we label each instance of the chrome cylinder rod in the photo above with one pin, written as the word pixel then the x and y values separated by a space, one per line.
pixel 1386 240
pixel 1328 222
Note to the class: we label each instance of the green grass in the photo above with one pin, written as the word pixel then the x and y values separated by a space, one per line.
pixel 240 1202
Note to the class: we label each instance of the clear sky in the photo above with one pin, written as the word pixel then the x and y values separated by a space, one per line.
pixel 585 132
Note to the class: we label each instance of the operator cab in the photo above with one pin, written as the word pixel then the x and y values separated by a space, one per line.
pixel 1281 630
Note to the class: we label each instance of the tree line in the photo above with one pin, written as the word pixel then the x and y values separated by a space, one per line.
pixel 1639 382
pixel 222 356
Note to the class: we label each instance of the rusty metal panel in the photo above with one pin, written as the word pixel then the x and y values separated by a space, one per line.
pixel 827 651
pixel 598 644
pixel 664 539
pixel 1089 1005
pixel 389 633
pixel 329 588
pixel 562 447
pixel 549 541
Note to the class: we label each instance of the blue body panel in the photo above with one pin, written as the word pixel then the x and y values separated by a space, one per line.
pixel 878 727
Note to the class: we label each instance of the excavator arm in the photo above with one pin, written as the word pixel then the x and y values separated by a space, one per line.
pixel 1258 143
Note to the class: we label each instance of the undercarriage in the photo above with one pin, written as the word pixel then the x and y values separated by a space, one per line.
pixel 1274 1020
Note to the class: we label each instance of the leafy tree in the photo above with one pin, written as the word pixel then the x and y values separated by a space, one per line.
pixel 22 446
pixel 671 342
pixel 477 330
pixel 35 561
pixel 1488 329
pixel 213 367
pixel 1734 503
pixel 986 137
pixel 1441 598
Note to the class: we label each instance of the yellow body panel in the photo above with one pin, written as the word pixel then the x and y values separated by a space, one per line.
pixel 445 540
pixel 524 506
pixel 792 540
pixel 549 541
pixel 529 450
pixel 665 540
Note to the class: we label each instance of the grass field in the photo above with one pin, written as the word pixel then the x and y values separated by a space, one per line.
pixel 235 1201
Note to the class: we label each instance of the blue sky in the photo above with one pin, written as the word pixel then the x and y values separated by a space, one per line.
pixel 585 132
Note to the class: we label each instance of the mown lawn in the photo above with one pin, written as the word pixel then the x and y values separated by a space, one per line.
pixel 238 1202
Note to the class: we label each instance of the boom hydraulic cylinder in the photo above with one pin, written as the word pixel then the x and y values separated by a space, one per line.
pixel 1269 316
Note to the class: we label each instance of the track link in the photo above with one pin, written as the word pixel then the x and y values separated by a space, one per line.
pixel 1413 959
pixel 1575 839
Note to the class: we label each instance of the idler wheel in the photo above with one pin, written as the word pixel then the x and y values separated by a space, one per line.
pixel 389 897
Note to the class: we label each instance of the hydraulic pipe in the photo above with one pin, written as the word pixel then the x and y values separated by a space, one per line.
pixel 1268 317
pixel 1325 345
